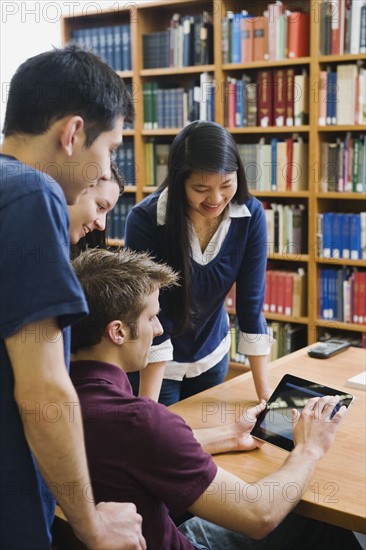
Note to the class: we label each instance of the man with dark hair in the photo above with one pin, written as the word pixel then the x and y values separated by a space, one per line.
pixel 139 450
pixel 64 119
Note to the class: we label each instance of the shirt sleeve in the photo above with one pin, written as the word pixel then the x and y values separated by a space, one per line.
pixel 37 278
pixel 178 470
pixel 250 287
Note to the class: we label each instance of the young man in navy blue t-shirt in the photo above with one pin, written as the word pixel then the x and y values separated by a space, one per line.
pixel 139 451
pixel 64 118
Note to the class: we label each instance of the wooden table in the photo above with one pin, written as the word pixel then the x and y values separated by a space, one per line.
pixel 336 493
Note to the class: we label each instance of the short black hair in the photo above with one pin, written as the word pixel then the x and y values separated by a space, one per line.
pixel 62 82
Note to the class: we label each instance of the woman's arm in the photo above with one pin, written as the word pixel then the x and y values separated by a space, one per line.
pixel 258 365
pixel 151 379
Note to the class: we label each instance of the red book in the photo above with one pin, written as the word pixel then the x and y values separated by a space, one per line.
pixel 289 290
pixel 298 34
pixel 265 103
pixel 290 96
pixel 279 97
pixel 336 27
pixel 289 152
pixel 267 296
pixel 231 102
pixel 281 276
pixel 274 291
pixel 362 293
pixel 247 34
pixel 260 38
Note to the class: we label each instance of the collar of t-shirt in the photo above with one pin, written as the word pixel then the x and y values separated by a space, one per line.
pixel 84 371
pixel 234 210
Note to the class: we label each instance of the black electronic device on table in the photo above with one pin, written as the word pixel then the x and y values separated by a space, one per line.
pixel 274 424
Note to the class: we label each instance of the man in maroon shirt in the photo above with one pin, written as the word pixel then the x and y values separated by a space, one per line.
pixel 139 451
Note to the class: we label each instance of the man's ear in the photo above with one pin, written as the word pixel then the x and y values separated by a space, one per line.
pixel 116 332
pixel 72 133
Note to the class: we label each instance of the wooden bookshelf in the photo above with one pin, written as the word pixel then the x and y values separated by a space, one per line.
pixel 155 16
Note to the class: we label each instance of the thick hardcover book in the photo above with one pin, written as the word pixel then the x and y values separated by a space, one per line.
pixel 247 39
pixel 260 38
pixel 265 102
pixel 279 97
pixel 298 34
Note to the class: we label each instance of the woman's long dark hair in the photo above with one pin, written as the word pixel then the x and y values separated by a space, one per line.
pixel 200 147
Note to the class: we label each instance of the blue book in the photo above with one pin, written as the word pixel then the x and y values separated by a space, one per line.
pixel 331 97
pixel 346 240
pixel 328 218
pixel 103 44
pixel 236 39
pixel 117 48
pixel 337 241
pixel 126 48
pixel 355 236
pixel 239 107
pixel 109 39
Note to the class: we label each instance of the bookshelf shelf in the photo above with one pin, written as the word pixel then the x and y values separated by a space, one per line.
pixel 269 130
pixel 156 16
pixel 341 58
pixel 115 242
pixel 340 326
pixel 288 257
pixel 342 128
pixel 266 64
pixel 130 189
pixel 340 261
pixel 340 195
pixel 290 194
pixel 286 318
pixel 125 74
pixel 161 132
pixel 177 70
pixel 149 189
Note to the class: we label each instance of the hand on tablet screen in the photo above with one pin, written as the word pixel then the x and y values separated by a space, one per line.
pixel 316 425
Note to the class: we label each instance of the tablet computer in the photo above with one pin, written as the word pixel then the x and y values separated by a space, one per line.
pixel 274 424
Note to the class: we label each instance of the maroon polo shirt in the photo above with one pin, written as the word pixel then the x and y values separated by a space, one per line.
pixel 139 451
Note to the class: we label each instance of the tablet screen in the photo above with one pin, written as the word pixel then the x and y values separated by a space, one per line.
pixel 274 424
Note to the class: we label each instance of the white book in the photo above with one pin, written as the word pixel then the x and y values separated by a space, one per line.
pixel 358 381
pixel 346 93
pixel 356 26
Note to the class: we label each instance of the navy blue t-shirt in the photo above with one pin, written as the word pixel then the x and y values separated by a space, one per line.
pixel 36 282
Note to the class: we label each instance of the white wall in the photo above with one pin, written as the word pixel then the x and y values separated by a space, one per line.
pixel 28 28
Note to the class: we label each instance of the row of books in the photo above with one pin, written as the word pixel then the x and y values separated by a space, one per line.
pixel 343 165
pixel 286 338
pixel 286 228
pixel 174 107
pixel 117 218
pixel 276 165
pixel 113 44
pixel 188 41
pixel 276 97
pixel 286 292
pixel 342 95
pixel 342 235
pixel 125 160
pixel 342 27
pixel 276 34
pixel 343 295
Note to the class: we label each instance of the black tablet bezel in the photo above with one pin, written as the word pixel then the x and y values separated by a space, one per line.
pixel 310 389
